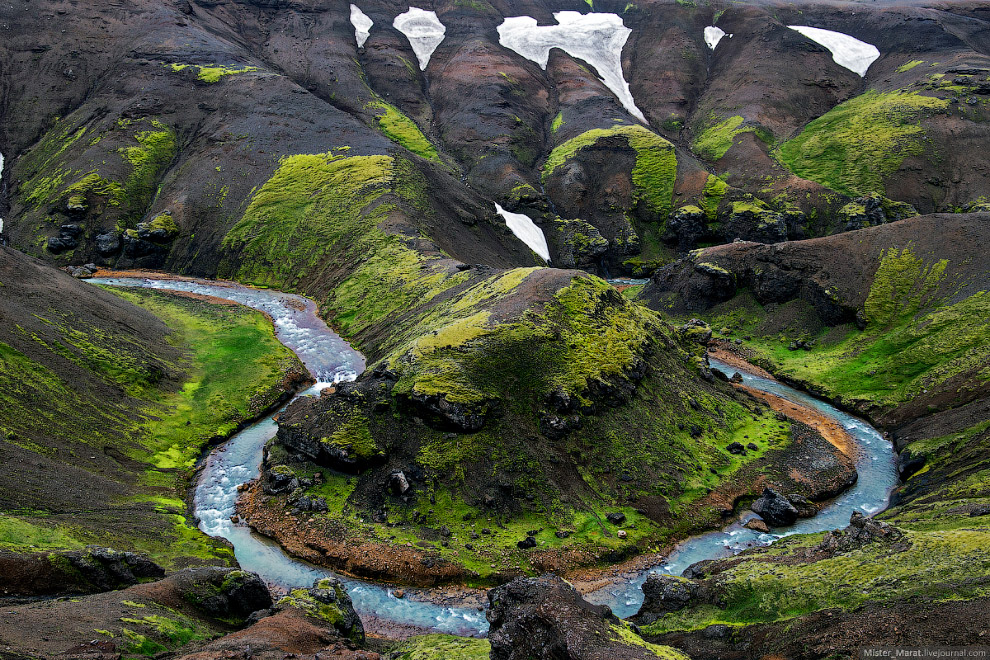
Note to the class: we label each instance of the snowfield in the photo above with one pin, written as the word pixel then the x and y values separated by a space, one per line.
pixel 848 52
pixel 362 25
pixel 526 231
pixel 423 30
pixel 595 38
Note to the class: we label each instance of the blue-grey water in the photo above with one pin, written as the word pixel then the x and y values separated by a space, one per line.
pixel 330 359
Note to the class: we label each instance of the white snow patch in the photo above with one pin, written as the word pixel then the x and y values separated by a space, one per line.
pixel 713 35
pixel 596 38
pixel 849 52
pixel 423 30
pixel 526 231
pixel 362 25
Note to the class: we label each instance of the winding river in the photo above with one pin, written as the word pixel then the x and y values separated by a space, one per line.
pixel 331 360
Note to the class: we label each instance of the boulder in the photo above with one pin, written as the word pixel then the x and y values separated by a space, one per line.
pixel 327 602
pixel 527 543
pixel 735 448
pixel 860 531
pixel 108 243
pixel 545 618
pixel 280 479
pixel 663 594
pixel 775 509
pixel 616 518
pixel 757 525
pixel 223 593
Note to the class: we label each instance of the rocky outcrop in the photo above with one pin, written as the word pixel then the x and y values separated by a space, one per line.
pixel 327 602
pixel 545 618
pixel 860 531
pixel 80 571
pixel 663 594
pixel 775 509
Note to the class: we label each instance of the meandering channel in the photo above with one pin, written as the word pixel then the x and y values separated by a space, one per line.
pixel 331 360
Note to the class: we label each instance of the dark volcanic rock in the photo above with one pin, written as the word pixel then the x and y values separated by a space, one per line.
pixel 545 618
pixel 775 509
pixel 663 594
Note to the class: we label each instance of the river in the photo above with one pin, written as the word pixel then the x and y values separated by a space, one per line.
pixel 331 360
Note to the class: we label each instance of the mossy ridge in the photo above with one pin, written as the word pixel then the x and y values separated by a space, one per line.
pixel 713 142
pixel 655 169
pixel 403 131
pixel 758 591
pixel 234 370
pixel 856 146
pixel 711 196
pixel 313 204
pixel 211 73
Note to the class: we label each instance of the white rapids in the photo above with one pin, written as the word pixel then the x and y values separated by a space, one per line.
pixel 526 231
pixel 848 52
pixel 362 25
pixel 423 30
pixel 596 38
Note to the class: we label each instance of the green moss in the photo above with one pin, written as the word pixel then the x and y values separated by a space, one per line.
pixel 715 140
pixel 214 72
pixel 355 437
pixel 330 613
pixel 712 194
pixel 558 121
pixel 655 169
pixel 94 184
pixel 857 145
pixel 760 591
pixel 442 647
pixel 625 635
pixel 403 131
pixel 164 222
pixel 312 206
pixel 22 536
pixel 907 66
pixel 155 151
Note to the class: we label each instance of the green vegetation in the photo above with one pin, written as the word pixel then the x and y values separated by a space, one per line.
pixel 856 146
pixel 312 206
pixel 155 151
pixel 558 121
pixel 655 169
pixel 442 647
pixel 328 612
pixel 403 131
pixel 213 72
pixel 907 66
pixel 711 196
pixel 230 368
pixel 760 591
pixel 714 141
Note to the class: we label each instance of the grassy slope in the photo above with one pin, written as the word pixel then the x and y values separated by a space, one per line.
pixel 232 369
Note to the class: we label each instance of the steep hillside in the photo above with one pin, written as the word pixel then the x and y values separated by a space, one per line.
pixel 107 401
pixel 142 135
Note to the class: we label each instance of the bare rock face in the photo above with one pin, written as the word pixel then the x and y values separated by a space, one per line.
pixel 546 619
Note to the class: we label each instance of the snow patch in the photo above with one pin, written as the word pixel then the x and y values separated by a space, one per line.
pixel 713 35
pixel 526 231
pixel 848 52
pixel 362 25
pixel 596 38
pixel 423 30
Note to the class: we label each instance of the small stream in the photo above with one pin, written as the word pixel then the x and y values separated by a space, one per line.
pixel 331 360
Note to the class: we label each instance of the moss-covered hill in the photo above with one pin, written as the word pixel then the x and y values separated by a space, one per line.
pixel 108 399
pixel 506 405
